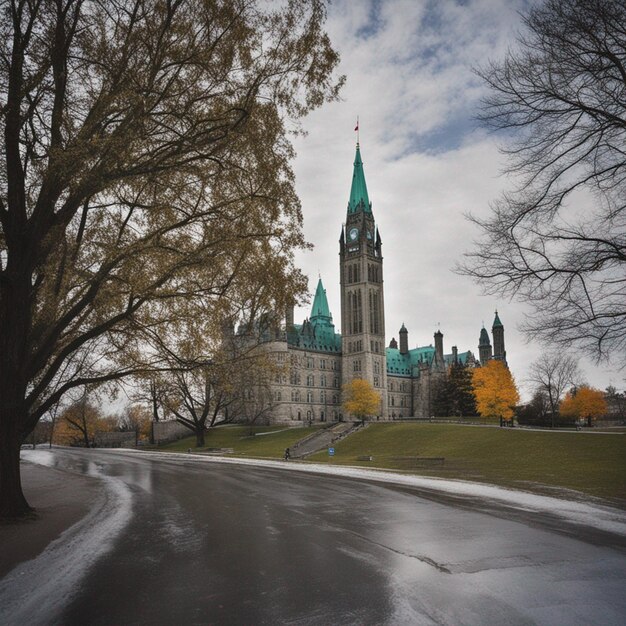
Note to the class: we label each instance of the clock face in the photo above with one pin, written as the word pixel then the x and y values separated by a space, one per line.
pixel 353 234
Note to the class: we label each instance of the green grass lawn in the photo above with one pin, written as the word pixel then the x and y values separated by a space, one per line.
pixel 540 461
pixel 245 440
pixel 594 464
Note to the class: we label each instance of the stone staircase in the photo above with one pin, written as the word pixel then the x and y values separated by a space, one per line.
pixel 322 439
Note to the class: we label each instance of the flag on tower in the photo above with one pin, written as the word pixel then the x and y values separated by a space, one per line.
pixel 356 128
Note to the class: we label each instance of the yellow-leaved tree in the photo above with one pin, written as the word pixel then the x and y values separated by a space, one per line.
pixel 79 422
pixel 495 390
pixel 584 402
pixel 361 399
pixel 145 170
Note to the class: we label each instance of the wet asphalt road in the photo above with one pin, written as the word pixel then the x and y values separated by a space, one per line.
pixel 227 544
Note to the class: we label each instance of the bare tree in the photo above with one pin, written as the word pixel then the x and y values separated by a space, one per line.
pixel 196 397
pixel 551 374
pixel 145 161
pixel 79 421
pixel 616 402
pixel 210 381
pixel 534 412
pixel 253 396
pixel 558 239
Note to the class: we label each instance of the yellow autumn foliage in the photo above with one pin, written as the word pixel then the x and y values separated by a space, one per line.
pixel 495 390
pixel 360 399
pixel 584 402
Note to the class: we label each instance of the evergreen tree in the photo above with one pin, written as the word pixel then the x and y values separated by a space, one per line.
pixel 442 398
pixel 454 396
pixel 462 399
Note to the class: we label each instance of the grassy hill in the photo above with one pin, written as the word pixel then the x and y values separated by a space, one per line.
pixel 543 461
pixel 252 441
pixel 584 461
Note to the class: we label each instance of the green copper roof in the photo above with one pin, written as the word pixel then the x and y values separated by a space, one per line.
pixel 320 337
pixel 497 323
pixel 320 304
pixel 408 364
pixel 461 357
pixel 359 200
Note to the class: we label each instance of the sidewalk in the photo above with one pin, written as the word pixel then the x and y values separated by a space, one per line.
pixel 53 494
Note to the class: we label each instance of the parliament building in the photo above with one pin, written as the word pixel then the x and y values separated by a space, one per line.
pixel 317 360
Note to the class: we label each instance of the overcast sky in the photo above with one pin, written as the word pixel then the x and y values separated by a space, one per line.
pixel 426 162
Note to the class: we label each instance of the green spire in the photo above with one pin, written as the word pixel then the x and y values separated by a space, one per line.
pixel 496 322
pixel 359 200
pixel 320 304
pixel 484 338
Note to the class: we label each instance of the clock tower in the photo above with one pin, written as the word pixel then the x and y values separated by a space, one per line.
pixel 362 302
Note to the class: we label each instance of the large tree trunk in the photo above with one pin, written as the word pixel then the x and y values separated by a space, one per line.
pixel 200 437
pixel 15 316
pixel 13 504
pixel 13 414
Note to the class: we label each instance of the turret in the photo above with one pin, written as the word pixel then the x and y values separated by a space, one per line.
pixel 289 317
pixel 484 346
pixel 393 344
pixel 438 361
pixel 455 355
pixel 497 329
pixel 404 340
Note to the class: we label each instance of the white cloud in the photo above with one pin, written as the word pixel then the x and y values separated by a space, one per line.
pixel 410 81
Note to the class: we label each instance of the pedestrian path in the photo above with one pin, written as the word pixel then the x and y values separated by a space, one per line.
pixel 324 438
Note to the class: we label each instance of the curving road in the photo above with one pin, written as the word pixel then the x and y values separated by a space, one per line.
pixel 173 541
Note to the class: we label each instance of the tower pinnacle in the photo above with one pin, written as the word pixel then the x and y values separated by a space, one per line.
pixel 320 307
pixel 359 200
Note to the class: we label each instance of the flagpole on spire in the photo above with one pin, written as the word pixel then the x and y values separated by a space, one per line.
pixel 356 128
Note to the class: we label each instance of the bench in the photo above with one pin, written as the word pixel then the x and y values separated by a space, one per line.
pixel 421 460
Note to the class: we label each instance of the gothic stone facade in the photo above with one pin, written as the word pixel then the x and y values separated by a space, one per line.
pixel 316 360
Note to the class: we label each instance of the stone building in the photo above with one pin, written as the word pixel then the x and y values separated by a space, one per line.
pixel 317 360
